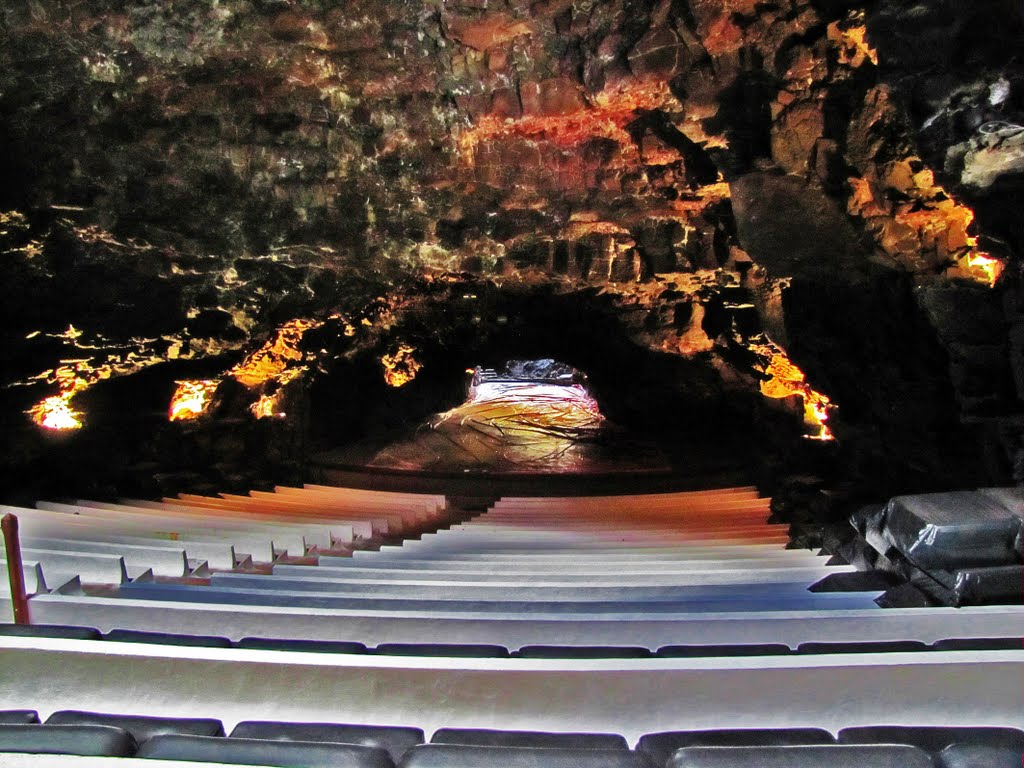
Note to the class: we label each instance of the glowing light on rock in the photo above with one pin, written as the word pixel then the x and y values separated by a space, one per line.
pixel 270 405
pixel 272 359
pixel 926 219
pixel 400 367
pixel 852 41
pixel 984 267
pixel 56 413
pixel 191 399
pixel 266 408
pixel 786 379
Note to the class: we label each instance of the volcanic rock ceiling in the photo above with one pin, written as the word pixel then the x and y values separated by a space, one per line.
pixel 809 207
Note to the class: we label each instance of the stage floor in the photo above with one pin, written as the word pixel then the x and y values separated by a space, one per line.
pixel 513 427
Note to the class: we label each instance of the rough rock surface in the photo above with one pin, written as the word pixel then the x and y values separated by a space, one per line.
pixel 285 195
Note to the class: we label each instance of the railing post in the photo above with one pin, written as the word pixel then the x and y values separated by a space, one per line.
pixel 12 546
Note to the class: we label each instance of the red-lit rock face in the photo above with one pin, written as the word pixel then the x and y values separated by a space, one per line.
pixel 197 186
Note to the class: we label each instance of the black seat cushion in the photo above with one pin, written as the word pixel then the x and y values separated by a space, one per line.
pixel 830 755
pixel 139 726
pixel 978 756
pixel 660 746
pixel 460 756
pixel 881 646
pixel 480 737
pixel 85 740
pixel 698 651
pixel 163 638
pixel 18 716
pixel 979 644
pixel 442 650
pixel 304 646
pixel 396 740
pixel 287 754
pixel 50 630
pixel 582 652
pixel 932 738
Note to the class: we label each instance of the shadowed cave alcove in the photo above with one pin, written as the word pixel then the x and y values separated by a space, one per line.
pixel 681 406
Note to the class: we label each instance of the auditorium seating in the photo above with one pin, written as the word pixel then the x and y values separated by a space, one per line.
pixel 309 745
pixel 326 627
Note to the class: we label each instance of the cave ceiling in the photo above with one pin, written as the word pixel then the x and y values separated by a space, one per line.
pixel 252 190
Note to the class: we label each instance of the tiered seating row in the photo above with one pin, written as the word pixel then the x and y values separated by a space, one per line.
pixel 191 739
pixel 107 543
pixel 535 572
pixel 452 650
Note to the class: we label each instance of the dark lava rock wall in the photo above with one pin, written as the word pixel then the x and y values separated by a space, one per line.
pixel 841 178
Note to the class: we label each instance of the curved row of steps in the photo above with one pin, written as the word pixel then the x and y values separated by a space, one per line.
pixel 620 614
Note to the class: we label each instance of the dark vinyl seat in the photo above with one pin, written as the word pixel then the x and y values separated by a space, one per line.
pixel 165 638
pixel 933 739
pixel 461 756
pixel 662 745
pixel 396 740
pixel 978 756
pixel 879 646
pixel 582 652
pixel 979 644
pixel 481 737
pixel 831 755
pixel 286 754
pixel 303 646
pixel 61 631
pixel 701 651
pixel 81 740
pixel 18 717
pixel 139 726
pixel 453 650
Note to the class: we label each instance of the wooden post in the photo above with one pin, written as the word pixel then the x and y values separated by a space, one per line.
pixel 19 598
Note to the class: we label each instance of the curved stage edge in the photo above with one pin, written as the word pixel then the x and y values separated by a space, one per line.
pixel 479 483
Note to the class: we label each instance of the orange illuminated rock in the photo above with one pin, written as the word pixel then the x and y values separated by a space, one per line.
pixel 852 43
pixel 56 413
pixel 554 111
pixel 400 367
pixel 191 399
pixel 273 358
pixel 785 380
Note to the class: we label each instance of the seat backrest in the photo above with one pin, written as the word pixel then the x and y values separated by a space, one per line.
pixel 699 651
pixel 975 755
pixel 287 754
pixel 164 638
pixel 141 727
pixel 979 644
pixel 50 630
pixel 582 652
pixel 832 755
pixel 881 646
pixel 662 745
pixel 86 740
pixel 460 756
pixel 395 739
pixel 302 646
pixel 443 650
pixel 932 739
pixel 481 737
pixel 18 716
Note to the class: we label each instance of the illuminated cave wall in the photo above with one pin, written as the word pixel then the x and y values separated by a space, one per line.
pixel 260 194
